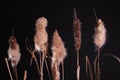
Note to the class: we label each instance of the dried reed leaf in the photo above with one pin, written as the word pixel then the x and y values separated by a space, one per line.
pixel 115 57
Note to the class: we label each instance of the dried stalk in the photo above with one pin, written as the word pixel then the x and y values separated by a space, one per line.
pixel 33 55
pixel 77 38
pixel 78 66
pixel 25 75
pixel 59 54
pixel 8 69
pixel 15 72
pixel 88 66
pixel 62 70
pixel 98 65
pixel 47 69
pixel 95 65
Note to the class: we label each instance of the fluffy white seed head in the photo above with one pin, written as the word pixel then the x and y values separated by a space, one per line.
pixel 14 51
pixel 41 22
pixel 58 49
pixel 40 39
pixel 100 34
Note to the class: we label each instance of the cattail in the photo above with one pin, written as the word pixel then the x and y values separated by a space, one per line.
pixel 77 38
pixel 59 54
pixel 77 31
pixel 58 49
pixel 13 51
pixel 41 36
pixel 100 34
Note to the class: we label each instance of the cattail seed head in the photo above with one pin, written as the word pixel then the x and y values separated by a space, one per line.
pixel 13 51
pixel 58 48
pixel 100 34
pixel 41 22
pixel 77 33
pixel 41 37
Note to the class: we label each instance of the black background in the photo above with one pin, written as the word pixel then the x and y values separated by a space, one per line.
pixel 22 16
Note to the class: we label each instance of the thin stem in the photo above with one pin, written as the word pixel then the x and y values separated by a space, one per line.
pixel 98 67
pixel 78 66
pixel 78 60
pixel 62 70
pixel 33 55
pixel 95 67
pixel 89 66
pixel 25 75
pixel 8 68
pixel 15 72
pixel 47 69
pixel 42 63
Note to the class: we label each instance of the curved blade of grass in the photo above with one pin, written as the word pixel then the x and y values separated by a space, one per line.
pixel 115 57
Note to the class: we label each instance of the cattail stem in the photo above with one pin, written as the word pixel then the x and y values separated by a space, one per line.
pixel 15 72
pixel 78 66
pixel 8 68
pixel 25 75
pixel 47 69
pixel 62 70
pixel 78 60
pixel 95 67
pixel 98 67
pixel 33 55
pixel 42 64
pixel 89 66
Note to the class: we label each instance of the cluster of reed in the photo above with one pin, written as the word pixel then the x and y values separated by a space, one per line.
pixel 59 52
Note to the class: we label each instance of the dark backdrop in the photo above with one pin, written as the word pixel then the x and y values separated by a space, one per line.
pixel 22 16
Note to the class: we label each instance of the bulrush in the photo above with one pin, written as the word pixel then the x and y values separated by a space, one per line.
pixel 13 51
pixel 41 37
pixel 100 34
pixel 59 54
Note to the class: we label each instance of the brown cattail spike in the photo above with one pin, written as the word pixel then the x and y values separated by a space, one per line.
pixel 77 31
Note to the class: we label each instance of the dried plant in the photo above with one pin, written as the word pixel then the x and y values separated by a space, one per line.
pixel 8 67
pixel 13 51
pixel 99 40
pixel 14 54
pixel 25 75
pixel 77 38
pixel 59 54
pixel 41 41
pixel 100 34
pixel 41 37
pixel 88 67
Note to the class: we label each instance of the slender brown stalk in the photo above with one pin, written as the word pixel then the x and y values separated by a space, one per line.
pixel 15 72
pixel 78 66
pixel 88 67
pixel 62 70
pixel 25 75
pixel 77 38
pixel 8 69
pixel 42 63
pixel 33 56
pixel 98 66
pixel 95 65
pixel 47 69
